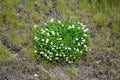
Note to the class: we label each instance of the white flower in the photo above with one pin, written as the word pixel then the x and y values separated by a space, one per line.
pixel 57 34
pixel 82 25
pixel 61 44
pixel 78 22
pixel 48 57
pixel 85 46
pixel 53 32
pixel 35 51
pixel 41 52
pixel 76 39
pixel 43 40
pixel 69 27
pixel 83 28
pixel 46 29
pixel 86 29
pixel 51 20
pixel 64 55
pixel 77 49
pixel 45 55
pixel 81 51
pixel 44 23
pixel 83 40
pixel 78 44
pixel 69 48
pixel 84 34
pixel 51 43
pixel 59 21
pixel 57 54
pixel 53 48
pixel 35 26
pixel 48 34
pixel 82 43
pixel 78 28
pixel 50 53
pixel 73 26
pixel 36 38
pixel 62 25
pixel 60 54
pixel 47 40
pixel 35 75
pixel 56 58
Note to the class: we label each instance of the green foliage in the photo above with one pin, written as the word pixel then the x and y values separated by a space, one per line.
pixel 4 53
pixel 61 41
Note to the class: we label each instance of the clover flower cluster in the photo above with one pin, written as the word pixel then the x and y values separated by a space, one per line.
pixel 61 41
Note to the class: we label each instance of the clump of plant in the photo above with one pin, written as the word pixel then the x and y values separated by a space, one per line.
pixel 59 41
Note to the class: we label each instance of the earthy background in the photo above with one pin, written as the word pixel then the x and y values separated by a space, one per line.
pixel 17 18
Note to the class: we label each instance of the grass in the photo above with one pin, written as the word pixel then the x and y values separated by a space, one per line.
pixel 4 53
pixel 94 13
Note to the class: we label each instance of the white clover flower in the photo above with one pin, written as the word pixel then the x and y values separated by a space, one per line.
pixel 77 49
pixel 51 43
pixel 76 39
pixel 35 75
pixel 74 57
pixel 85 46
pixel 56 58
pixel 64 55
pixel 83 40
pixel 36 38
pixel 43 40
pixel 53 33
pixel 53 48
pixel 81 51
pixel 78 28
pixel 69 27
pixel 44 23
pixel 66 48
pixel 78 22
pixel 85 35
pixel 45 55
pixel 50 53
pixel 60 54
pixel 46 29
pixel 62 25
pixel 59 39
pixel 57 54
pixel 82 43
pixel 69 48
pixel 48 57
pixel 78 44
pixel 35 26
pixel 41 52
pixel 85 30
pixel 47 40
pixel 82 25
pixel 52 20
pixel 57 34
pixel 48 34
pixel 61 44
pixel 35 51
pixel 70 55
pixel 59 21
pixel 73 26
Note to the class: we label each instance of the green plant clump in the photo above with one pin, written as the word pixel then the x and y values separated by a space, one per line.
pixel 59 41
